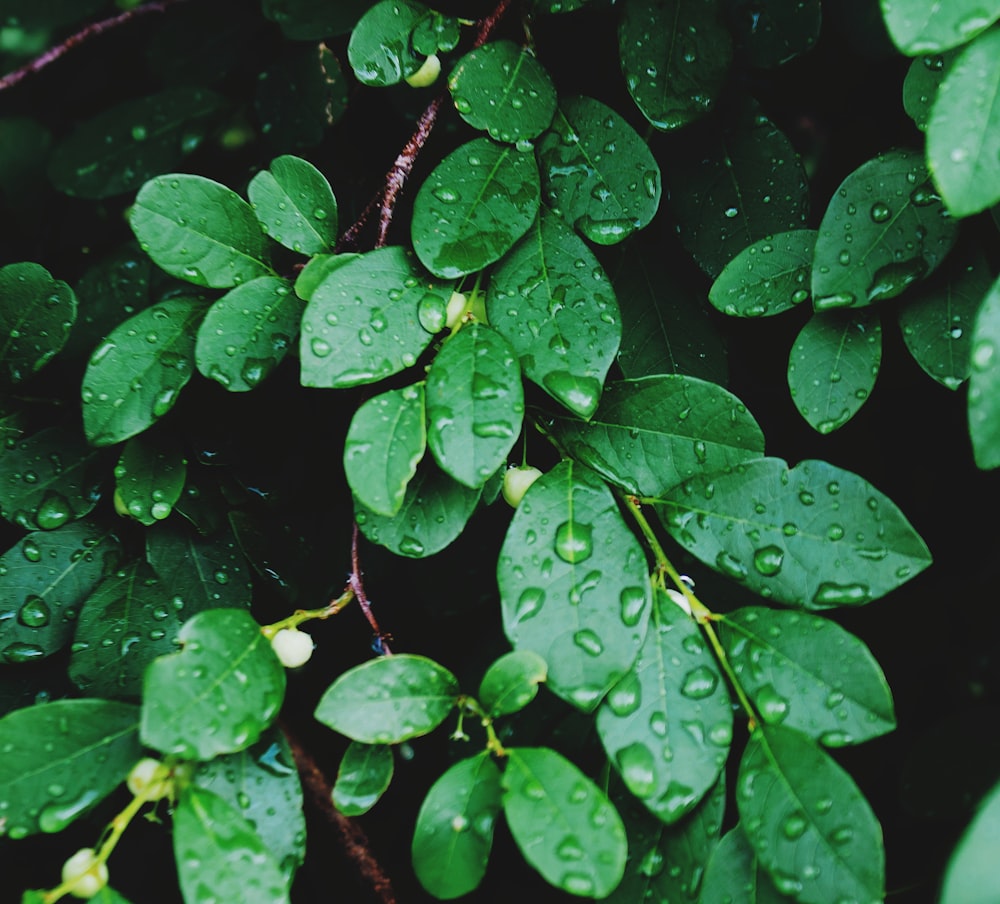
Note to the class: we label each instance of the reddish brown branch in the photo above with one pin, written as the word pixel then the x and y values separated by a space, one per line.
pixel 357 585
pixel 80 37
pixel 352 837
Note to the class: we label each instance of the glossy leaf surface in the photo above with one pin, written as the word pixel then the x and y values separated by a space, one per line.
pixel 389 699
pixel 920 87
pixel 984 382
pixel 364 774
pixel 149 478
pixel 511 682
pixel 733 875
pixel 813 536
pixel 667 725
pixel 597 172
pixel 380 48
pixel 926 26
pixel 573 584
pixel 454 832
pixel 766 278
pixel 472 208
pixel 971 876
pixel 563 823
pixel 295 205
pixel 777 33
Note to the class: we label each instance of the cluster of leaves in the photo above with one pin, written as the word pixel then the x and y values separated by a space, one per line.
pixel 524 301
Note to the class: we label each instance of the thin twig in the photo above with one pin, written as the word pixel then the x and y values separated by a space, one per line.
pixel 75 40
pixel 356 584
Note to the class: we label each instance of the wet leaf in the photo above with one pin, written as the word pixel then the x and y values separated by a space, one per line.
pixel 150 478
pixel 674 56
pixel 806 820
pixel 434 512
pixel 218 693
pixel 389 699
pixel 317 269
pixel 833 366
pixel 884 229
pixel 262 784
pixel 61 759
pixel 971 874
pixel 920 87
pixel 511 682
pixel 733 875
pixel 124 624
pixel 380 50
pixel 475 404
pixel 649 435
pixel 248 332
pixel 454 832
pixel 36 315
pixel 768 277
pixel 44 579
pixel 597 172
pixel 984 383
pixel 220 855
pixel 776 33
pixel 295 204
pixel 573 584
pixel 807 673
pixel 551 299
pixel 963 134
pixel 473 207
pixel 384 444
pixel 564 825
pixel 363 321
pixel 199 231
pixel 925 26
pixel 503 89
pixel 364 774
pixel 123 146
pixel 814 536
pixel 667 725
pixel 136 374
pixel 49 479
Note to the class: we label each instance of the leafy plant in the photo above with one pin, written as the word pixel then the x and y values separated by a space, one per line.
pixel 226 383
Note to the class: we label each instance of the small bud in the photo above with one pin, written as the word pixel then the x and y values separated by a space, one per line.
pixel 151 778
pixel 87 875
pixel 516 482
pixel 456 308
pixel 426 74
pixel 293 647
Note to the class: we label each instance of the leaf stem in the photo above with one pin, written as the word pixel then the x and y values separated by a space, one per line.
pixel 382 639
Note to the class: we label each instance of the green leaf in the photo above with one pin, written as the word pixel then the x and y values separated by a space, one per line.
pixel 306 20
pixel 502 89
pixel 363 322
pixel 136 374
pixel 295 205
pixel 807 821
pixel 777 33
pixel 733 875
pixel 454 831
pixel 565 826
pixel 963 134
pixel 473 207
pixel 984 383
pixel 150 478
pixel 920 87
pixel 49 478
pixel 475 404
pixel 885 228
pixel 44 579
pixel 123 626
pixel 768 277
pixel 597 172
pixel 389 699
pixel 651 434
pixel 218 693
pixel 36 315
pixel 262 784
pixel 814 536
pixel 199 231
pixel 511 682
pixel 198 573
pixel 551 299
pixel 61 759
pixel 929 26
pixel 364 774
pixel 674 56
pixel 734 183
pixel 384 444
pixel 573 584
pixel 123 146
pixel 937 323
pixel 667 725
pixel 434 512
pixel 220 856
pixel 833 366
pixel 808 673
pixel 247 333
pixel 379 51
pixel 971 876
pixel 317 269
